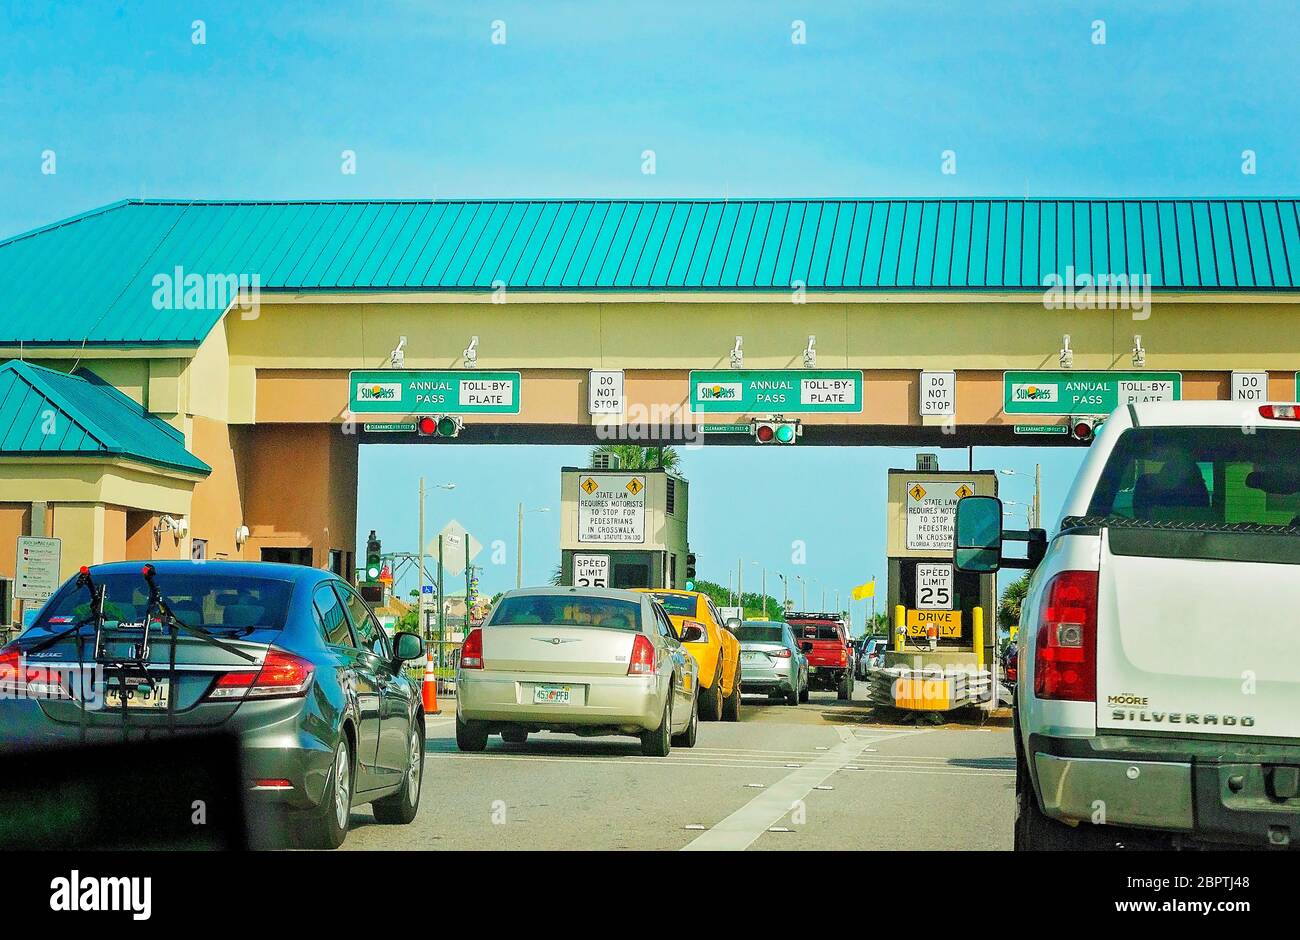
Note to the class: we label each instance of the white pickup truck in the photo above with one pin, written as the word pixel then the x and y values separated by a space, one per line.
pixel 1158 699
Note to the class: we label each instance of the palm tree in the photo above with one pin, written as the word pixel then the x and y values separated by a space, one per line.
pixel 1012 598
pixel 636 457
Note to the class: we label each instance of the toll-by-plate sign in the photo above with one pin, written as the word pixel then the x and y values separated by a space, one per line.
pixel 611 507
pixel 931 514
pixel 934 586
pixel 398 392
pixel 37 574
pixel 590 570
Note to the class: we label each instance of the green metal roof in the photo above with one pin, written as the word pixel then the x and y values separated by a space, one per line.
pixel 91 278
pixel 48 413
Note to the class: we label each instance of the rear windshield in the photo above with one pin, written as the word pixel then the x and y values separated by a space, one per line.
pixel 759 633
pixel 818 631
pixel 213 601
pixel 566 611
pixel 679 605
pixel 1214 476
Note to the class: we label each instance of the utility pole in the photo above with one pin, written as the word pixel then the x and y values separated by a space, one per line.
pixel 519 551
pixel 442 633
pixel 1038 495
pixel 740 590
pixel 419 597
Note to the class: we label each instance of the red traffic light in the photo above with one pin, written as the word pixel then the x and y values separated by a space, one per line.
pixel 764 433
pixel 1083 431
pixel 427 425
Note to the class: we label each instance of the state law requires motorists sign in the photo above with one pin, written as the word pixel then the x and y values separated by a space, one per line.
pixel 1085 393
pixel 37 574
pixel 394 391
pixel 933 586
pixel 931 513
pixel 590 570
pixel 779 391
pixel 611 508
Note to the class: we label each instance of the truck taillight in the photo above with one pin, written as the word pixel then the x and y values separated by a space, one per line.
pixel 1280 412
pixel 642 662
pixel 1065 654
pixel 471 651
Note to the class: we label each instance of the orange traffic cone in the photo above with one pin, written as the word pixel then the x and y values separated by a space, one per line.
pixel 430 687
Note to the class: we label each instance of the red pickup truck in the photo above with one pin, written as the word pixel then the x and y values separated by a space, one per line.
pixel 825 641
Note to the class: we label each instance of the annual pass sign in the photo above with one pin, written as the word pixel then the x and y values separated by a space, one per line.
pixel 776 391
pixel 1085 393
pixel 398 392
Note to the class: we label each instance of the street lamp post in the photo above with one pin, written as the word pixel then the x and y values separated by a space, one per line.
pixel 419 598
pixel 785 592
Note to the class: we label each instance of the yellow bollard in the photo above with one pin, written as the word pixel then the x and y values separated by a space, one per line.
pixel 977 624
pixel 900 621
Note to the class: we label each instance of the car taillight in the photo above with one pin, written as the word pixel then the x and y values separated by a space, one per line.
pixel 12 681
pixel 1280 412
pixel 1012 662
pixel 1065 654
pixel 782 653
pixel 471 651
pixel 283 675
pixel 642 662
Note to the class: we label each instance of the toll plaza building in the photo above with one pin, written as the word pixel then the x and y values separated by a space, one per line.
pixel 176 373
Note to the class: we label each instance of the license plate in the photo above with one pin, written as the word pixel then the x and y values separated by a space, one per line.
pixel 750 657
pixel 139 694
pixel 552 695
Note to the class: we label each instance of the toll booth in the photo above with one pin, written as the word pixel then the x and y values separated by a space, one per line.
pixel 623 528
pixel 943 630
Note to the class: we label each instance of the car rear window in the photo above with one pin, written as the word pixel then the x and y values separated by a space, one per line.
pixel 818 631
pixel 213 601
pixel 759 633
pixel 679 605
pixel 565 610
pixel 1213 476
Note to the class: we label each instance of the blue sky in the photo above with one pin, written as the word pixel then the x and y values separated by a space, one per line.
pixel 1028 101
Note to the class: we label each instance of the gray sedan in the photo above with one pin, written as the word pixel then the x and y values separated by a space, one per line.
pixel 771 661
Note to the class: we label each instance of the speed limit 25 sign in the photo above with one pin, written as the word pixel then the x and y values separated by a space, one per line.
pixel 933 586
pixel 590 570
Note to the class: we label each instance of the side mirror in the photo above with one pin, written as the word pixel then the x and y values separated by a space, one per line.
pixel 692 633
pixel 805 646
pixel 409 646
pixel 732 624
pixel 977 546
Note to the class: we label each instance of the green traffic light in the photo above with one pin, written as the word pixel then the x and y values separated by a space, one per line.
pixel 372 573
pixel 785 433
pixel 690 585
pixel 447 427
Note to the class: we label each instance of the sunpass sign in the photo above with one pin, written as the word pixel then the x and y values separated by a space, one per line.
pixel 779 391
pixel 1088 393
pixel 393 391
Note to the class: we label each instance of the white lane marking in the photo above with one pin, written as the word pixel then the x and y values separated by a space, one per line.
pixel 739 830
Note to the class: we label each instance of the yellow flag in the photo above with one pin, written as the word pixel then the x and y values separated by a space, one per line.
pixel 863 591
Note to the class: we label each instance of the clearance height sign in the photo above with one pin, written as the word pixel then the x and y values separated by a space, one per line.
pixel 398 392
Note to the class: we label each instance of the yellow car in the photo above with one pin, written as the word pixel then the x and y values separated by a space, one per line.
pixel 718 654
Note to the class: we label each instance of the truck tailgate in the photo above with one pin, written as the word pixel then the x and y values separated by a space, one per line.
pixel 1199 633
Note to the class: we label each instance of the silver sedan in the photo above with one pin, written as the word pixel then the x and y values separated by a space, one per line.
pixel 589 661
pixel 771 661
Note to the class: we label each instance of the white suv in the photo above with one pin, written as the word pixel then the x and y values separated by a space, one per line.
pixel 1159 689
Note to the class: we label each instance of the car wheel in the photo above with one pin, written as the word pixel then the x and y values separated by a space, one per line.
pixel 845 691
pixel 659 742
pixel 514 736
pixel 1036 832
pixel 471 735
pixel 803 693
pixel 792 697
pixel 711 700
pixel 687 737
pixel 731 704
pixel 327 826
pixel 400 808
